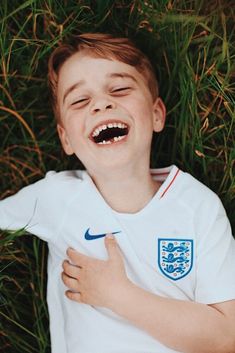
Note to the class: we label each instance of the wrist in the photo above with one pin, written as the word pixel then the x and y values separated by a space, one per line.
pixel 122 297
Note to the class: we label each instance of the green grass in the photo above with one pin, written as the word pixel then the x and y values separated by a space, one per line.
pixel 192 47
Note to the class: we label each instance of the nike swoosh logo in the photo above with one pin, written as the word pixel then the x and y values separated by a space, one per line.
pixel 89 236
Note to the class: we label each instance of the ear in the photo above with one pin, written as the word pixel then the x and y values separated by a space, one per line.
pixel 64 140
pixel 159 115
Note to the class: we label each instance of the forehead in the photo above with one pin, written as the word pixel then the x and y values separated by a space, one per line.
pixel 83 67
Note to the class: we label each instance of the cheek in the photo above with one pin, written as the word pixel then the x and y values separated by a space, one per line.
pixel 144 116
pixel 74 123
pixel 141 105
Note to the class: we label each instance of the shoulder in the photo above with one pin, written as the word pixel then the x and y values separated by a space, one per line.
pixel 198 198
pixel 193 188
pixel 204 206
pixel 65 177
pixel 180 187
pixel 61 185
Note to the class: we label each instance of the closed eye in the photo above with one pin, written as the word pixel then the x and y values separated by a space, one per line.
pixel 120 89
pixel 80 101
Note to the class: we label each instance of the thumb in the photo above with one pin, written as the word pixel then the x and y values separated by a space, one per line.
pixel 112 247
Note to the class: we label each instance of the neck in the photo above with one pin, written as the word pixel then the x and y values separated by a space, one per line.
pixel 127 191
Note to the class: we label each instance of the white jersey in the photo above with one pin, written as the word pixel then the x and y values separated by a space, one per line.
pixel 178 246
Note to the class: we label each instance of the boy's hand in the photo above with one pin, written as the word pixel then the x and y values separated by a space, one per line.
pixel 95 282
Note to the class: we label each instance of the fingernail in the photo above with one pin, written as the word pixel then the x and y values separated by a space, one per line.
pixel 68 250
pixel 68 294
pixel 110 236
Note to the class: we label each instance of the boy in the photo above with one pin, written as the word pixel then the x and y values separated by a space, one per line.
pixel 168 282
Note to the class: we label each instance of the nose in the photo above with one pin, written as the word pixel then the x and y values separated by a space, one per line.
pixel 101 105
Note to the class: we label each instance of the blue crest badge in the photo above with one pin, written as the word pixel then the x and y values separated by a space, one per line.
pixel 175 257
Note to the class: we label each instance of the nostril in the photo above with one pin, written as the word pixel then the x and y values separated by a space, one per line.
pixel 102 107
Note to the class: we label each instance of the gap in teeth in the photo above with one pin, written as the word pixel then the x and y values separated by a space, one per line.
pixel 118 138
pixel 115 139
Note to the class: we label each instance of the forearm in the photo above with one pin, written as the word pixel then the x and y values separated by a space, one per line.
pixel 184 326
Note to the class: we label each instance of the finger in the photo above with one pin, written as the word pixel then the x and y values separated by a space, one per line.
pixel 112 247
pixel 76 296
pixel 76 257
pixel 71 270
pixel 71 283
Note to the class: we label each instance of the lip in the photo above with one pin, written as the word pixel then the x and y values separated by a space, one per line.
pixel 106 122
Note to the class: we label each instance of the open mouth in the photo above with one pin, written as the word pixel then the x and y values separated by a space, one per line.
pixel 109 133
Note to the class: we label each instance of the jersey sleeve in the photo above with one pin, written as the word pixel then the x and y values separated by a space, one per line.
pixel 29 209
pixel 215 260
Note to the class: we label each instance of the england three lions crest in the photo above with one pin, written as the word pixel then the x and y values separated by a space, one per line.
pixel 175 257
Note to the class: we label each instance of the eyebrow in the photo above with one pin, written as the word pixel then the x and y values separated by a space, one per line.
pixel 122 75
pixel 72 88
pixel 112 75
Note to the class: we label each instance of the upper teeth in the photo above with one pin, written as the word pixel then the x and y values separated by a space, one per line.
pixel 100 128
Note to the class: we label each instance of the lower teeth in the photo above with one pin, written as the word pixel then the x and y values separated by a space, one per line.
pixel 115 139
pixel 104 143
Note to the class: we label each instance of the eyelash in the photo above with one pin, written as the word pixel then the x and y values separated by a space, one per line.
pixel 120 89
pixel 85 100
pixel 80 101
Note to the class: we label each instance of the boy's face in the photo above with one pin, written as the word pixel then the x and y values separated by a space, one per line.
pixel 107 113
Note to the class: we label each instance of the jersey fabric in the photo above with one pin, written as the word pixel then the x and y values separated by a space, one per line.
pixel 178 246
